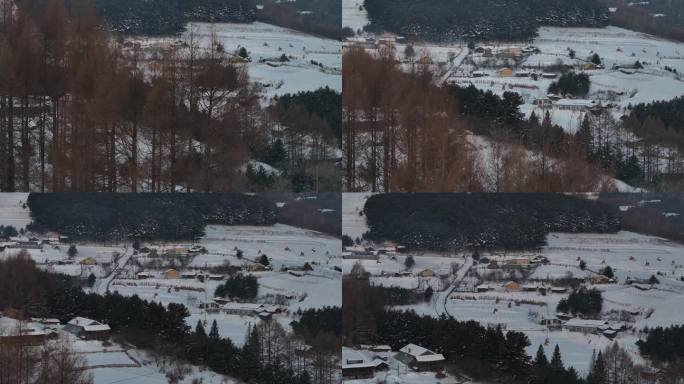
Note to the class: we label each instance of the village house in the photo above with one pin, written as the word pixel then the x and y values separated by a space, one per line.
pixel 176 251
pixel 551 322
pixel 575 104
pixel 520 262
pixel 420 359
pixel 24 333
pixel 585 325
pixel 483 288
pixel 250 309
pixel 143 275
pixel 512 286
pixel 358 365
pixel 426 273
pixel 88 261
pixel 171 274
pixel 88 329
pixel 188 275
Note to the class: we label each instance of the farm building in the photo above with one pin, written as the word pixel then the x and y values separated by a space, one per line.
pixel 483 288
pixel 420 359
pixel 559 289
pixel 426 273
pixel 530 288
pixel 16 331
pixel 521 262
pixel 585 326
pixel 600 279
pixel 88 329
pixel 88 261
pixel 512 286
pixel 257 267
pixel 249 309
pixel 188 275
pixel 575 104
pixel 143 275
pixel 551 322
pixel 171 274
pixel 177 251
pixel 505 72
pixel 549 75
pixel 358 365
pixel 480 74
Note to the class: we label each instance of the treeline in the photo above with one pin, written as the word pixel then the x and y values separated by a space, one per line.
pixel 639 17
pixel 571 83
pixel 105 216
pixel 268 356
pixel 320 212
pixel 80 111
pixel 669 112
pixel 313 321
pixel 318 17
pixel 663 344
pixel 583 301
pixel 166 17
pixel 238 286
pixel 401 132
pixel 482 221
pixel 458 20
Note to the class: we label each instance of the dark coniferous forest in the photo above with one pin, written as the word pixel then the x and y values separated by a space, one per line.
pixel 460 221
pixel 104 216
pixel 448 20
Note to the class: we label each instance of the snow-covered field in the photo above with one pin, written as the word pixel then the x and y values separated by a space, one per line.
pixel 269 42
pixel 353 15
pixel 12 211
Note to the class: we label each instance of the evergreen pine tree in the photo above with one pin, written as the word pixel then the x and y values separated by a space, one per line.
pixel 199 330
pixel 214 332
pixel 556 361
pixel 540 360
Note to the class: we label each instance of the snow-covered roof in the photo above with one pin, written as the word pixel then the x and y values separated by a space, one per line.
pixel 576 102
pixel 243 306
pixel 585 323
pixel 89 325
pixel 416 350
pixel 430 358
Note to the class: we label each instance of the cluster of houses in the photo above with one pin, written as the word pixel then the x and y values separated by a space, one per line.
pixel 221 305
pixel 175 274
pixel 367 361
pixel 32 242
pixel 358 252
pixel 575 324
pixel 36 331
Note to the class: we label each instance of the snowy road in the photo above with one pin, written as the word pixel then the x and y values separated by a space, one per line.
pixel 440 302
pixel 102 285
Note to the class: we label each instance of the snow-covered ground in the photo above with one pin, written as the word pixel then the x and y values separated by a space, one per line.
pixel 12 210
pixel 354 15
pixel 268 43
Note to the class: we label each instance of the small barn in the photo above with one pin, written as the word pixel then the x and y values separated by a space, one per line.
pixel 505 72
pixel 426 273
pixel 88 329
pixel 420 359
pixel 88 261
pixel 512 286
pixel 171 274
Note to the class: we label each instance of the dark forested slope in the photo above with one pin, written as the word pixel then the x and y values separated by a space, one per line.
pixel 111 216
pixel 482 19
pixel 466 221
